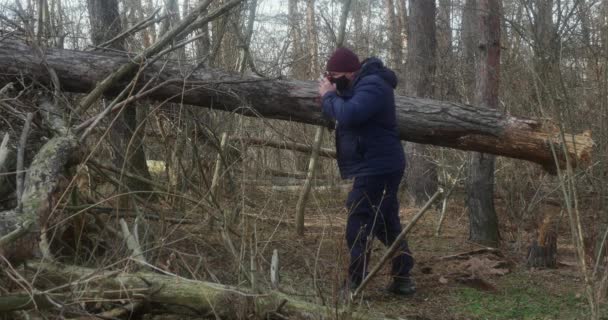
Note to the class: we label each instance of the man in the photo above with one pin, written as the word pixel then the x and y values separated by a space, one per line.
pixel 360 98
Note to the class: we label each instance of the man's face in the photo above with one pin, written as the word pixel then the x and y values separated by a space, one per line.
pixel 341 80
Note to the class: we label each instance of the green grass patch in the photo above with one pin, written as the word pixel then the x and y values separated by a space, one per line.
pixel 519 298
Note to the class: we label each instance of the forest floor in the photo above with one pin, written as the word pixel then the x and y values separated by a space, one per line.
pixel 490 285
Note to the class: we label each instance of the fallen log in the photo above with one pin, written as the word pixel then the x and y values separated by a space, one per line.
pixel 20 228
pixel 287 145
pixel 205 298
pixel 426 121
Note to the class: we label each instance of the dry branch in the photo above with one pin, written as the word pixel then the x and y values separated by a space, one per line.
pixel 3 151
pixel 132 243
pixel 424 121
pixel 139 26
pixel 20 157
pixel 312 164
pixel 186 25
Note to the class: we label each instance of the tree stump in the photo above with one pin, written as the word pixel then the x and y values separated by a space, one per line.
pixel 542 253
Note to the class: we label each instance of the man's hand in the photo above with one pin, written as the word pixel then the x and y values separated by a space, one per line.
pixel 325 86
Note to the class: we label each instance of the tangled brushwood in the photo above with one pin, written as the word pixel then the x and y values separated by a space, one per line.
pixel 151 168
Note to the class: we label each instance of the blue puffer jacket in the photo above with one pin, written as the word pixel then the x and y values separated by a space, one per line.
pixel 367 140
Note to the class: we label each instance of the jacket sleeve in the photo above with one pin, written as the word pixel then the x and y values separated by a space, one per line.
pixel 365 102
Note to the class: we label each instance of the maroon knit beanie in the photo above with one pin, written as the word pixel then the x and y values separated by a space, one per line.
pixel 343 60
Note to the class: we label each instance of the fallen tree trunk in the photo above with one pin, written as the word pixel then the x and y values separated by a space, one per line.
pixel 204 298
pixel 20 228
pixel 424 121
pixel 287 145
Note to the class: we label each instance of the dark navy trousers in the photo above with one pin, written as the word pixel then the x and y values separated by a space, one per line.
pixel 373 207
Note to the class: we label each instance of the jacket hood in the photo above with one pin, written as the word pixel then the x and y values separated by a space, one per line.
pixel 375 66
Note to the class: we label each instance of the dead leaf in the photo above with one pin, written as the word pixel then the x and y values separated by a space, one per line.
pixel 443 280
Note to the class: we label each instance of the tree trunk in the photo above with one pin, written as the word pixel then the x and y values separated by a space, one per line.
pixel 313 40
pixel 444 30
pixel 394 29
pixel 150 32
pixel 44 185
pixel 360 37
pixel 542 253
pixel 203 45
pixel 287 145
pixel 173 17
pixel 60 28
pixel 402 19
pixel 201 298
pixel 546 51
pixel 421 174
pixel 446 62
pixel 483 224
pixel 126 145
pixel 245 52
pixel 294 32
pixel 105 22
pixel 469 39
pixel 420 120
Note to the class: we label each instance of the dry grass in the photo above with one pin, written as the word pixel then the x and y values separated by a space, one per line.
pixel 313 267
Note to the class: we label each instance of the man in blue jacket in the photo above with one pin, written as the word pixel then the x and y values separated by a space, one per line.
pixel 360 98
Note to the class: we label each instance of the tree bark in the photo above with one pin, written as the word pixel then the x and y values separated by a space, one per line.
pixel 469 39
pixel 313 39
pixel 547 53
pixel 221 301
pixel 245 52
pixel 441 123
pixel 444 30
pixel 483 223
pixel 394 29
pixel 203 45
pixel 542 252
pixel 173 18
pixel 20 229
pixel 421 175
pixel 287 145
pixel 105 22
pixel 402 19
pixel 298 68
pixel 446 78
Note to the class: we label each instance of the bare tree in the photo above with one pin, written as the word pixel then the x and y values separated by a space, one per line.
pixel 127 146
pixel 421 174
pixel 444 30
pixel 245 52
pixel 312 39
pixel 173 17
pixel 297 65
pixel 446 78
pixel 105 22
pixel 483 224
pixel 394 27
pixel 469 38
pixel 553 67
pixel 402 19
